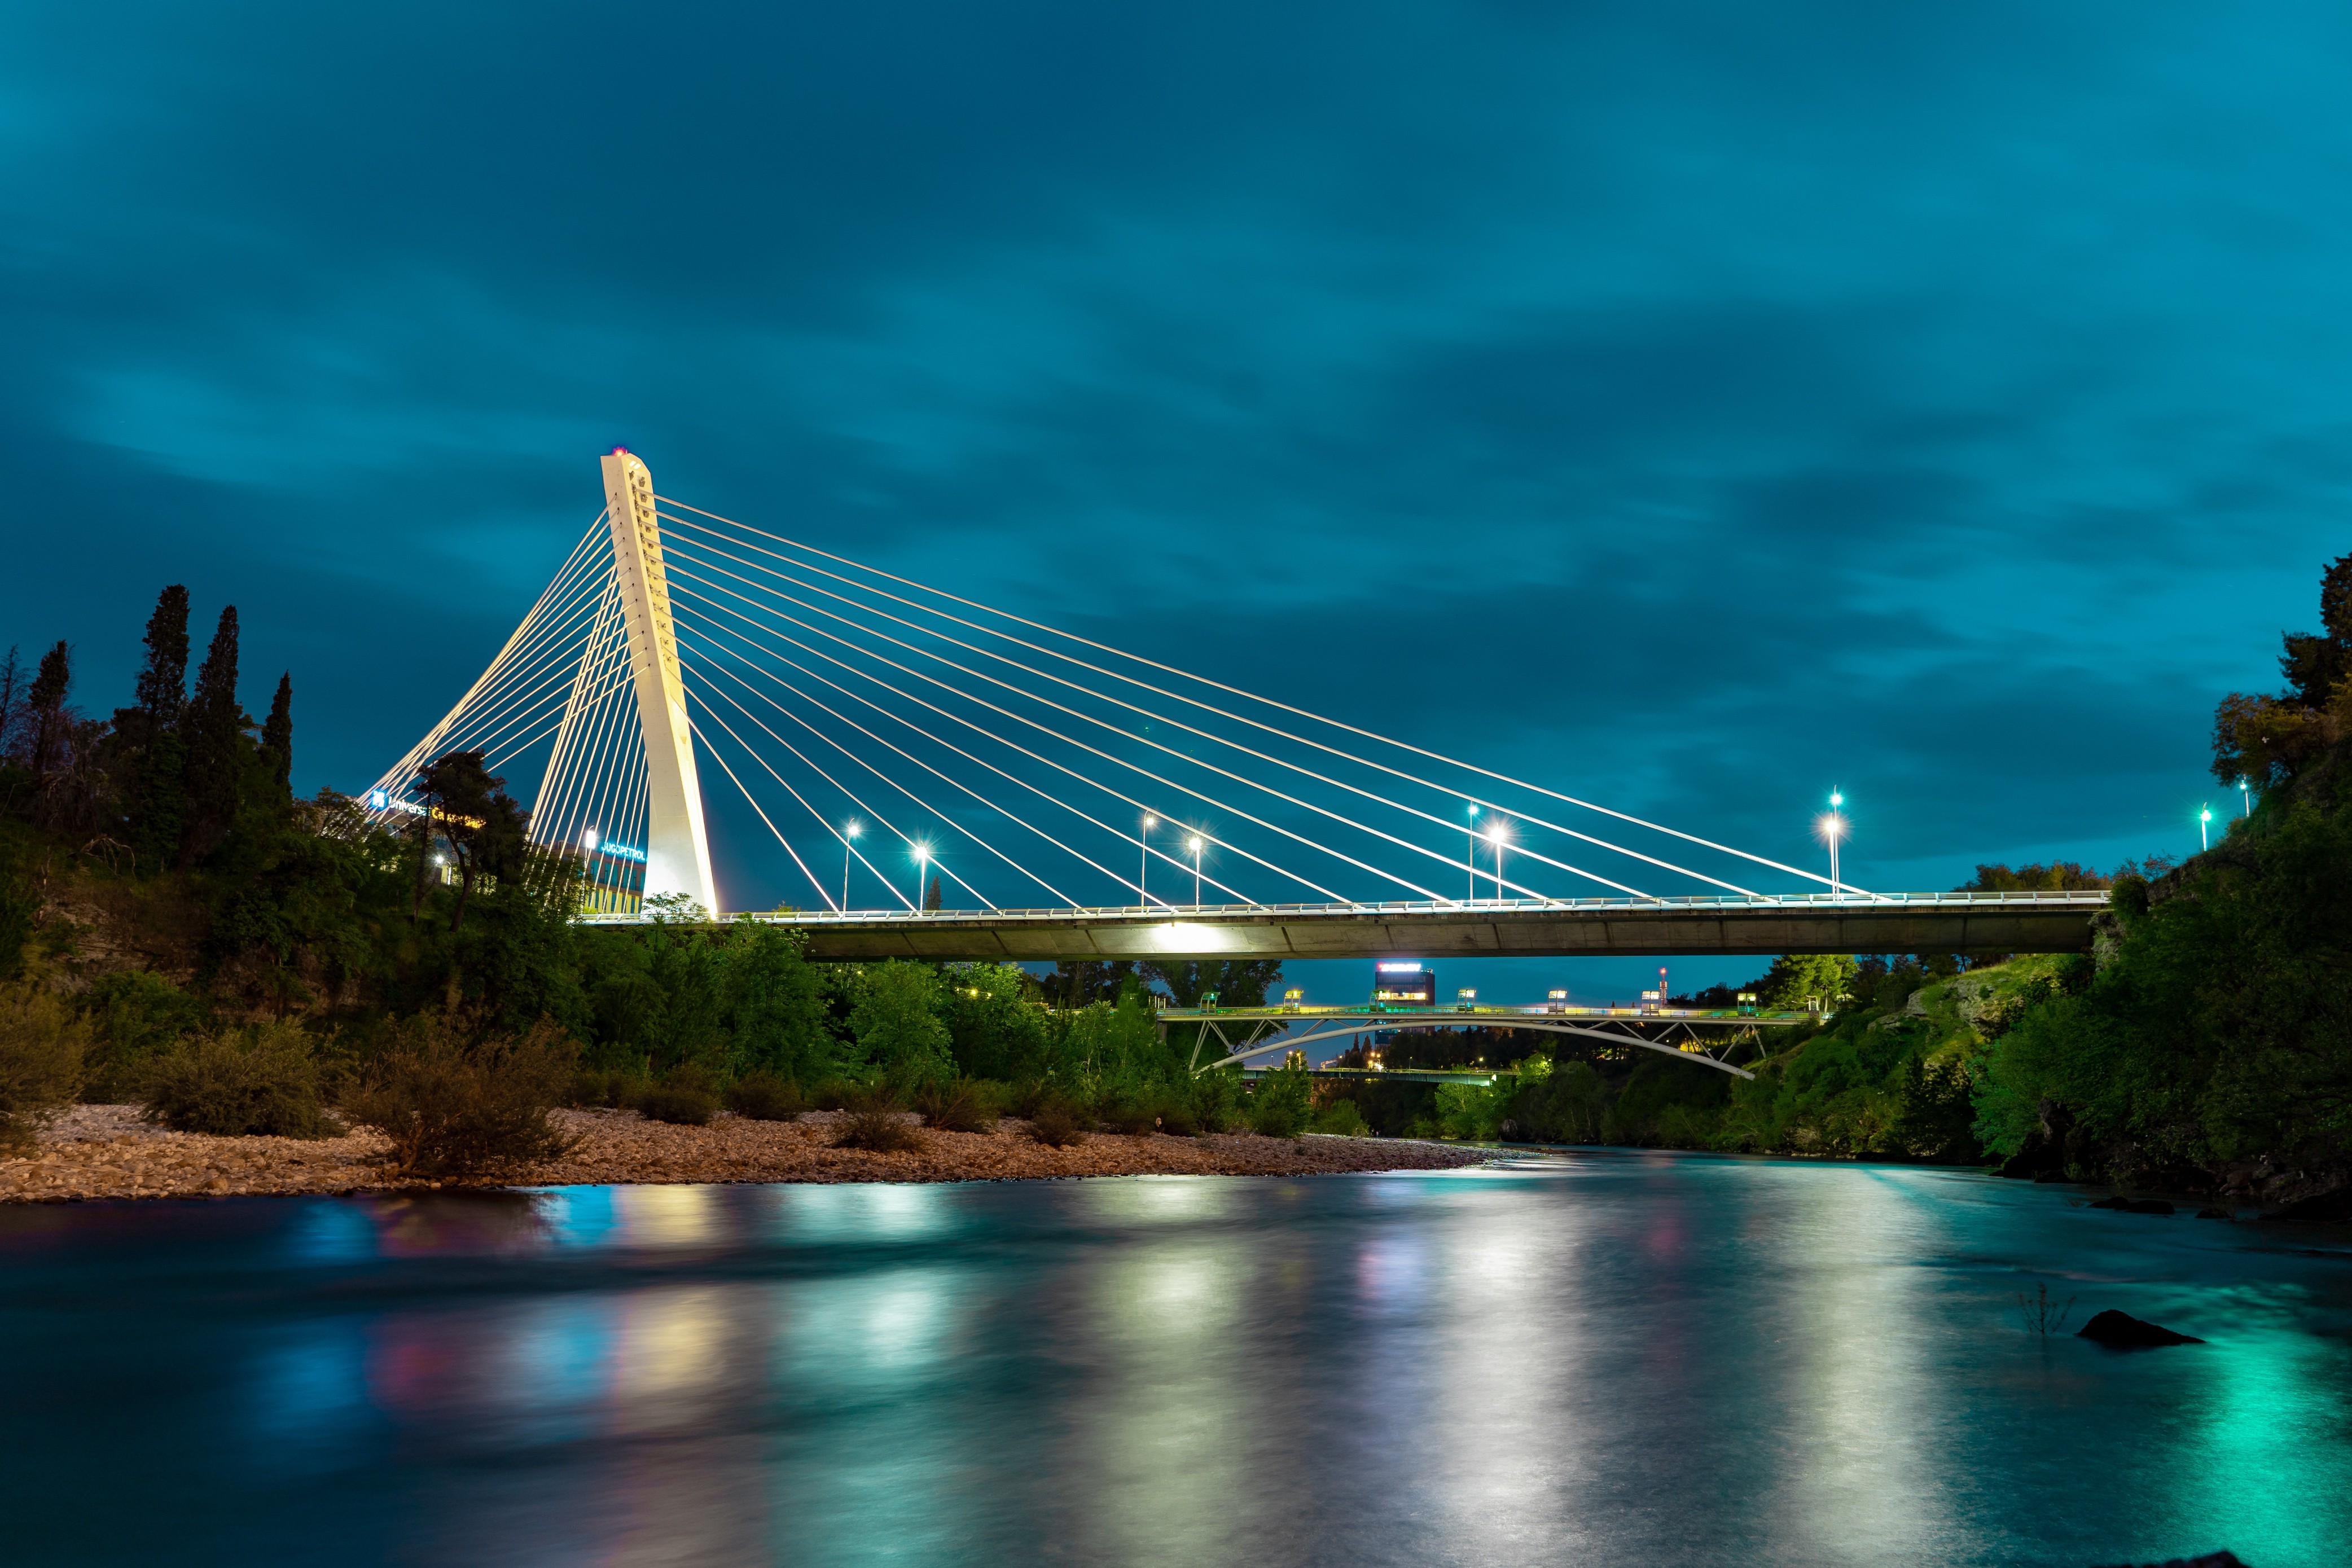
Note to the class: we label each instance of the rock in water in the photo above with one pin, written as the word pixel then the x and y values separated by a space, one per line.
pixel 2125 1332
pixel 2329 1208
pixel 2135 1205
pixel 2215 1214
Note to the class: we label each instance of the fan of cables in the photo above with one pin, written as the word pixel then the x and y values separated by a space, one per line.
pixel 916 733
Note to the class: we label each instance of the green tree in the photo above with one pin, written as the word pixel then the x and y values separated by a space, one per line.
pixel 1815 980
pixel 898 1027
pixel 219 751
pixel 996 1019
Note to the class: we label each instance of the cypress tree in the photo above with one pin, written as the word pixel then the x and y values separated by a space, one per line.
pixel 163 688
pixel 154 753
pixel 278 740
pixel 48 718
pixel 214 730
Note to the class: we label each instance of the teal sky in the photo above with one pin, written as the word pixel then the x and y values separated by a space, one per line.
pixel 1694 405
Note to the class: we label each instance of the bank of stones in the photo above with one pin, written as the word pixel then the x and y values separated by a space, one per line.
pixel 106 1152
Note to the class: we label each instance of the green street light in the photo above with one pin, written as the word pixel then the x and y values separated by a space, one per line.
pixel 2205 828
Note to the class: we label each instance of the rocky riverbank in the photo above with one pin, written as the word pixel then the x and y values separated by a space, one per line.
pixel 105 1151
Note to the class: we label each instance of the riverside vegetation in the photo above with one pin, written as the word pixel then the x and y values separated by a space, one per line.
pixel 178 930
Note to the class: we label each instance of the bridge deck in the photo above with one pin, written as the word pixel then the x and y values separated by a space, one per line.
pixel 1377 1015
pixel 1822 922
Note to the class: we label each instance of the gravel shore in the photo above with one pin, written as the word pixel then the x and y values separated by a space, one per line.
pixel 105 1151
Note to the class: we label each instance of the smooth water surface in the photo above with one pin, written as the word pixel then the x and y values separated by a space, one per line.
pixel 1607 1358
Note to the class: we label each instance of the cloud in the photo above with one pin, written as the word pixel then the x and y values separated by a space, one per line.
pixel 1652 399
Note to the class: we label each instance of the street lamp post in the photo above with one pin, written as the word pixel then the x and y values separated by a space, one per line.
pixel 1195 847
pixel 848 835
pixel 2246 793
pixel 1144 867
pixel 1497 837
pixel 922 860
pixel 1473 854
pixel 2205 828
pixel 1833 830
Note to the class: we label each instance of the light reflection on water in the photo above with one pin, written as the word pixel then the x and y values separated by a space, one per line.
pixel 1611 1358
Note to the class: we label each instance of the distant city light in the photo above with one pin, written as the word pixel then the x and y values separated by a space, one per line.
pixel 1468 994
pixel 1558 996
pixel 1412 968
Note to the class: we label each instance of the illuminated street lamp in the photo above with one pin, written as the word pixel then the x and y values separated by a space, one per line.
pixel 1194 845
pixel 2205 828
pixel 922 860
pixel 848 834
pixel 2246 792
pixel 1498 835
pixel 1143 871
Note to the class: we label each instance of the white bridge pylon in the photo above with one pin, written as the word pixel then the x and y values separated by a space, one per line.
pixel 891 738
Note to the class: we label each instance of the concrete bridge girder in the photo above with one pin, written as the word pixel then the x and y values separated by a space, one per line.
pixel 1915 923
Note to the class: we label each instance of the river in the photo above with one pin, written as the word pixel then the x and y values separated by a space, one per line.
pixel 1610 1357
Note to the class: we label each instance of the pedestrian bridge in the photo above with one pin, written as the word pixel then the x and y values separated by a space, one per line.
pixel 1530 928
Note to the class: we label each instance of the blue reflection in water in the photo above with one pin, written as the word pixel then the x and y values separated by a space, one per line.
pixel 1607 1358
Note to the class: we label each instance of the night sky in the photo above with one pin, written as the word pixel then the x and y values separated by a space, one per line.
pixel 1692 406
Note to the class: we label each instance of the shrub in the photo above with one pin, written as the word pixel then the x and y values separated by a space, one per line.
pixel 133 1015
pixel 456 1109
pixel 1133 1114
pixel 239 1083
pixel 613 1090
pixel 963 1106
pixel 764 1097
pixel 41 1048
pixel 1342 1118
pixel 1279 1109
pixel 1054 1123
pixel 838 1094
pixel 1276 1118
pixel 1177 1117
pixel 686 1104
pixel 1215 1100
pixel 876 1127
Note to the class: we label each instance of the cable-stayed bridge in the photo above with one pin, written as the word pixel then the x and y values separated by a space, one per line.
pixel 947 779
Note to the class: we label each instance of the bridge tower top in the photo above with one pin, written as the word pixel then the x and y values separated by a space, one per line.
pixel 678 851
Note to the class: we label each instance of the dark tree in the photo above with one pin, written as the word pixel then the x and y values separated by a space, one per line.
pixel 11 702
pixel 931 895
pixel 47 720
pixel 162 689
pixel 1075 982
pixel 1237 982
pixel 150 752
pixel 277 741
pixel 474 815
pixel 2314 664
pixel 216 746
